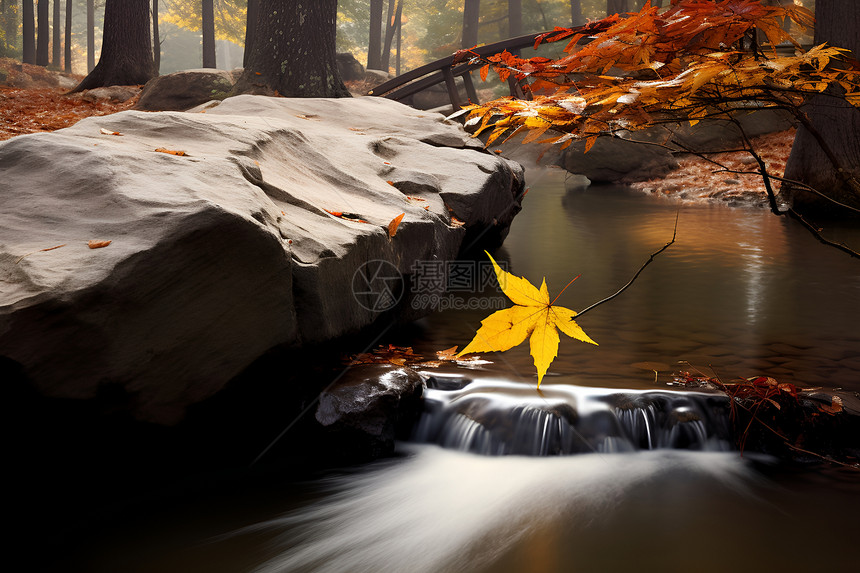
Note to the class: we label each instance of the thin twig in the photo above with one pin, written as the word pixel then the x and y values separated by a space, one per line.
pixel 642 268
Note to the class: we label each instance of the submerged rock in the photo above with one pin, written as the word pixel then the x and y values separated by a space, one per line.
pixel 228 242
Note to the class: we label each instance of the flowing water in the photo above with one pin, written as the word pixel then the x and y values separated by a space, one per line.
pixel 489 481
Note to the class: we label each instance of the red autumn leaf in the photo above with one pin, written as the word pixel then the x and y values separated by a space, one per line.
pixel 96 244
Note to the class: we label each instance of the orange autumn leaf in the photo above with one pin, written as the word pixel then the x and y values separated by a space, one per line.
pixel 18 260
pixel 104 131
pixel 395 222
pixel 96 244
pixel 689 60
pixel 171 151
pixel 834 408
pixel 447 354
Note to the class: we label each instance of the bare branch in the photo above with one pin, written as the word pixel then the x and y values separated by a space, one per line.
pixel 635 276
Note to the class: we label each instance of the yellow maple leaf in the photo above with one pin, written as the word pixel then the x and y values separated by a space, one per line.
pixel 532 316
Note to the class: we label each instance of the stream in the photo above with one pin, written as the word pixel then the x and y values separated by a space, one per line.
pixel 608 468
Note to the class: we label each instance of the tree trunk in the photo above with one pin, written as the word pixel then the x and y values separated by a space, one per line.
pixel 67 53
pixel 471 15
pixel 374 43
pixel 56 46
pixel 91 36
pixel 43 38
pixel 294 51
pixel 126 57
pixel 395 8
pixel 576 18
pixel 9 17
pixel 156 39
pixel 617 7
pixel 208 28
pixel 515 18
pixel 836 121
pixel 250 29
pixel 515 21
pixel 399 39
pixel 28 33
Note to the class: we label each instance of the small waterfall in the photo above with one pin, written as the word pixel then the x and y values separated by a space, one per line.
pixel 496 417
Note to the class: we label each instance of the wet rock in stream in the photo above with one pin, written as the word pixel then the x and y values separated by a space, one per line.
pixel 370 406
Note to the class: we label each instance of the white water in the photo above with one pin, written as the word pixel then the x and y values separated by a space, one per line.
pixel 499 417
pixel 440 510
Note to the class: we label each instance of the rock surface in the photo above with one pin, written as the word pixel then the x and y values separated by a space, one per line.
pixel 110 93
pixel 364 412
pixel 349 68
pixel 229 250
pixel 634 156
pixel 185 89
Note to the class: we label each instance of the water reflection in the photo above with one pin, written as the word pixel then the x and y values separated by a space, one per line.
pixel 741 290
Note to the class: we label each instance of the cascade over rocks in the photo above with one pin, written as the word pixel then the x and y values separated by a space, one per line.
pixel 223 253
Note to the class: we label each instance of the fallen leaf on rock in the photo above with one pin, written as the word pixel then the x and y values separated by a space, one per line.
pixel 834 408
pixel 455 222
pixel 104 131
pixel 397 355
pixel 447 354
pixel 94 244
pixel 39 251
pixel 348 216
pixel 171 151
pixel 395 222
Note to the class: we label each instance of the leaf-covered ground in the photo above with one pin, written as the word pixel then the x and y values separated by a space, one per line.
pixel 32 101
pixel 696 179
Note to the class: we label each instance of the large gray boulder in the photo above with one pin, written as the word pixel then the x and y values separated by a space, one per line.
pixel 185 89
pixel 640 155
pixel 229 250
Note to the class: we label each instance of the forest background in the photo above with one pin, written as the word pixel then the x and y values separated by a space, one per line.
pixel 429 29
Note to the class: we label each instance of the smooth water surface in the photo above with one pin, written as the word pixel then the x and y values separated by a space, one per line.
pixel 741 290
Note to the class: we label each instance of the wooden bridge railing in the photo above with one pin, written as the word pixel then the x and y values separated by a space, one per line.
pixel 428 75
pixel 440 71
